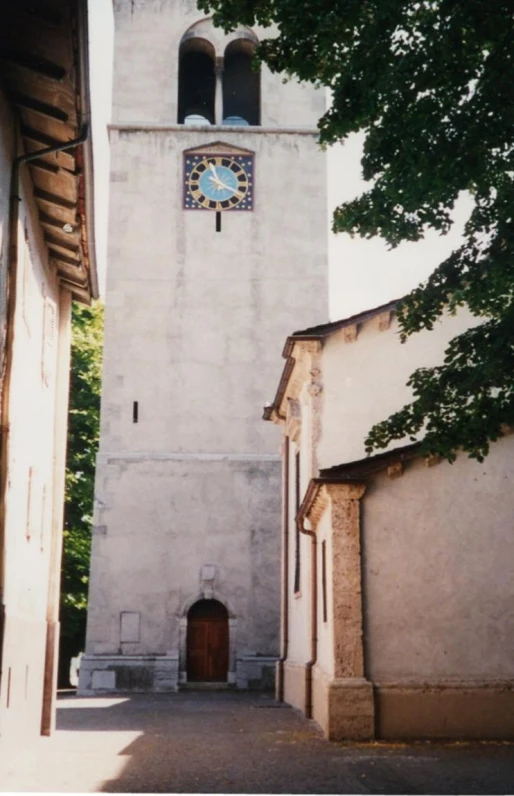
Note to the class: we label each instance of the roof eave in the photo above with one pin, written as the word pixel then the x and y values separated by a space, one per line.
pixel 85 94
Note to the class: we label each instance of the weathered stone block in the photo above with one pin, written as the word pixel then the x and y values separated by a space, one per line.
pixel 103 680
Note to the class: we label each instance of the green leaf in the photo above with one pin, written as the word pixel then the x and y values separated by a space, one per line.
pixel 429 83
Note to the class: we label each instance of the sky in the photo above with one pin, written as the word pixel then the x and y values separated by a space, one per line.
pixel 362 273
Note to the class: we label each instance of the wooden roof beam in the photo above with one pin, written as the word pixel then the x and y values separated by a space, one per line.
pixel 32 104
pixel 54 199
pixel 35 63
pixel 68 245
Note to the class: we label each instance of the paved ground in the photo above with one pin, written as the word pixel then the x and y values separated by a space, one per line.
pixel 227 742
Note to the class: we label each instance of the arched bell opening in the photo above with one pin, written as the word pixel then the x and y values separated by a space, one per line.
pixel 241 85
pixel 196 82
pixel 207 642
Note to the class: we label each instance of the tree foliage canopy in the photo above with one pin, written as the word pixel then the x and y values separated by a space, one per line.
pixel 83 435
pixel 430 83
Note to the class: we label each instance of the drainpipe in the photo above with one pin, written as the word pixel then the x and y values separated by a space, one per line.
pixel 285 572
pixel 314 615
pixel 12 271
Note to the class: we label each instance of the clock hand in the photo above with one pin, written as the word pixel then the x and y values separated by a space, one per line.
pixel 221 184
pixel 228 188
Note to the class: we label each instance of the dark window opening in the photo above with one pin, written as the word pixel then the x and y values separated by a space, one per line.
pixel 196 83
pixel 324 579
pixel 135 412
pixel 8 698
pixel 241 85
pixel 297 534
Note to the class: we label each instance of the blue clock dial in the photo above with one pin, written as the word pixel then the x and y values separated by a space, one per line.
pixel 218 182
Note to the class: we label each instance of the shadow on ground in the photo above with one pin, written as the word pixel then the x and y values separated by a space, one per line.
pixel 225 742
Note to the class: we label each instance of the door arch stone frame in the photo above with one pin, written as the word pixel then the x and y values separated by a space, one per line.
pixel 182 635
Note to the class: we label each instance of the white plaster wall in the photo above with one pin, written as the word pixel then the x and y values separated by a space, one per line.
pixel 437 556
pixel 161 523
pixel 364 381
pixel 29 500
pixel 203 308
pixel 145 88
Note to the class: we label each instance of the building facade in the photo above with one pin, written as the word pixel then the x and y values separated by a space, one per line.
pixel 47 259
pixel 218 240
pixel 397 594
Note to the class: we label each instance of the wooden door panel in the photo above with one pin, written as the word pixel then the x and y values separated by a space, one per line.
pixel 207 649
pixel 197 646
pixel 218 649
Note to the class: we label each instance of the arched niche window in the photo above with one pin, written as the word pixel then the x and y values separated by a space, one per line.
pixel 241 84
pixel 196 82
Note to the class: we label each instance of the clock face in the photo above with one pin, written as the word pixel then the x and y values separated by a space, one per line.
pixel 218 182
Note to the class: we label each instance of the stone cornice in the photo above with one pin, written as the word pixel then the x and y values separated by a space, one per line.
pixel 300 370
pixel 136 127
pixel 345 491
pixel 321 495
pixel 319 505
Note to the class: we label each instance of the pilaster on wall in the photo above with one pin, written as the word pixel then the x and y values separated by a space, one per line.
pixel 343 705
pixel 346 579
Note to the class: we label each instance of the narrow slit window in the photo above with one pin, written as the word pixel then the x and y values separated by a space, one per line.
pixel 324 579
pixel 135 412
pixel 297 533
pixel 8 699
pixel 218 221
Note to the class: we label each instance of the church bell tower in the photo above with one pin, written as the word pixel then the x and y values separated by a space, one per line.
pixel 217 250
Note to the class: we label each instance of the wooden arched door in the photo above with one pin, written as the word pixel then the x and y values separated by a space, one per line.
pixel 207 642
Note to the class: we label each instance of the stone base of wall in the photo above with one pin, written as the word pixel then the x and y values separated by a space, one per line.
pixel 295 692
pixel 104 673
pixel 344 708
pixel 256 673
pixel 445 711
pixel 159 673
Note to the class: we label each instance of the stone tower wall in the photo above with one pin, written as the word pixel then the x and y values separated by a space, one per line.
pixel 188 497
